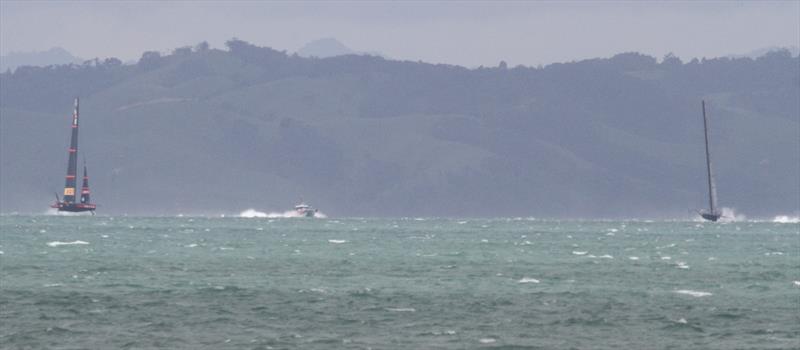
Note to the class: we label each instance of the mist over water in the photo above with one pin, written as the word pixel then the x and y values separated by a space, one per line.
pixel 218 283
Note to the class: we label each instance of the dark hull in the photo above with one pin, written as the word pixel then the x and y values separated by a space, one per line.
pixel 74 208
pixel 307 213
pixel 711 217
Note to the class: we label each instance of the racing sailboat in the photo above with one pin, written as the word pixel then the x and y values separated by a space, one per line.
pixel 712 214
pixel 69 204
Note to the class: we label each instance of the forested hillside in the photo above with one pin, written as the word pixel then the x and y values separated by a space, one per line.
pixel 206 131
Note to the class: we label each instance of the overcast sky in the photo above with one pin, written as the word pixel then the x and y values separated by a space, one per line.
pixel 465 33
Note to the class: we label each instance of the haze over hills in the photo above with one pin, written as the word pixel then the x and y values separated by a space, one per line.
pixel 219 131
pixel 55 55
pixel 326 47
pixel 330 47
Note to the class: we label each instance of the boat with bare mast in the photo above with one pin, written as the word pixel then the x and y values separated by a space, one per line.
pixel 712 214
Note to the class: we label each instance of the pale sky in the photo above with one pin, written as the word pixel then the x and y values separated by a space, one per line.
pixel 465 33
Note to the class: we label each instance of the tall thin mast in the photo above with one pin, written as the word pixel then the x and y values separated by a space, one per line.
pixel 712 189
pixel 72 165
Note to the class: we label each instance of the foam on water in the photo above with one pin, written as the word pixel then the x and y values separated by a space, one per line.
pixel 604 256
pixel 337 241
pixel 528 280
pixel 487 340
pixel 693 293
pixel 59 243
pixel 401 309
pixel 579 253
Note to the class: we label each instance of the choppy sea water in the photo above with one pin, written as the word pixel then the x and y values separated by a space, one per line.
pixel 258 283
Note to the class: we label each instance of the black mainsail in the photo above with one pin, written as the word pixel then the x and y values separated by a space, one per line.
pixel 85 188
pixel 712 214
pixel 69 204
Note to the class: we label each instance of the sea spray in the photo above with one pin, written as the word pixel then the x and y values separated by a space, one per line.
pixel 785 219
pixel 252 213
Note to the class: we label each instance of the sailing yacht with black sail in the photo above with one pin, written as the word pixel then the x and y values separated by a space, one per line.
pixel 712 214
pixel 69 204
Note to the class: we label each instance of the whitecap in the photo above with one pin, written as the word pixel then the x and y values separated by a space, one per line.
pixel 252 213
pixel 606 256
pixel 785 219
pixel 487 340
pixel 665 258
pixel 484 241
pixel 693 293
pixel 797 283
pixel 104 236
pixel 50 285
pixel 401 309
pixel 337 241
pixel 528 280
pixel 579 253
pixel 57 243
pixel 682 265
pixel 191 245
pixel 682 321
pixel 633 257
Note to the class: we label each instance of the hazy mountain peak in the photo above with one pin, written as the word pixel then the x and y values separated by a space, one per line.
pixel 55 55
pixel 325 47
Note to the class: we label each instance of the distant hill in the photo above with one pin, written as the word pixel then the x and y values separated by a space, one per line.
pixel 330 47
pixel 219 131
pixel 52 56
pixel 793 50
pixel 323 48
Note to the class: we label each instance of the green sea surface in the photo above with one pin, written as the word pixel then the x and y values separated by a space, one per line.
pixel 258 283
